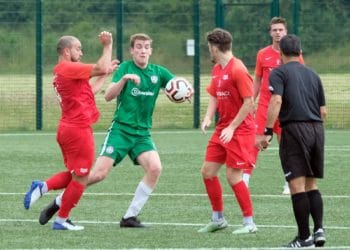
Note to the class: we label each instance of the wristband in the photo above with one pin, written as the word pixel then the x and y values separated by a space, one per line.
pixel 268 131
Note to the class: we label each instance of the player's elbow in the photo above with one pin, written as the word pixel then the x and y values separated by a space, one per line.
pixel 99 70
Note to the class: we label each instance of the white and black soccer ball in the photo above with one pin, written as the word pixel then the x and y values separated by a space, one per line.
pixel 178 90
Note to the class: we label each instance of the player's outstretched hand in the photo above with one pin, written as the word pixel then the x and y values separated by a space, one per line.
pixel 105 38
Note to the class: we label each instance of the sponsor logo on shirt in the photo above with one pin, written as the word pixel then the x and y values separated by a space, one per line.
pixel 222 93
pixel 137 92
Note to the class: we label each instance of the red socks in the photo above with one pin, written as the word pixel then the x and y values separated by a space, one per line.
pixel 58 181
pixel 214 192
pixel 243 198
pixel 70 198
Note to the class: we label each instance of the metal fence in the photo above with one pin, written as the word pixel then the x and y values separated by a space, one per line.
pixel 27 101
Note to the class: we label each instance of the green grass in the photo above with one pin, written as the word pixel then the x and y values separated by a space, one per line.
pixel 177 208
pixel 18 108
pixel 332 59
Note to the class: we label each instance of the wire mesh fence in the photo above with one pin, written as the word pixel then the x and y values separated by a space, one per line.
pixel 320 24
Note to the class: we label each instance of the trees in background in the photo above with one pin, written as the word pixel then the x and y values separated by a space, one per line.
pixel 323 24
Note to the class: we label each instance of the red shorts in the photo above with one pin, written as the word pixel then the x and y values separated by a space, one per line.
pixel 261 119
pixel 235 154
pixel 78 148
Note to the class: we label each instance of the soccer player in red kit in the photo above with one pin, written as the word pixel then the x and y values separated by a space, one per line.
pixel 75 93
pixel 231 95
pixel 267 59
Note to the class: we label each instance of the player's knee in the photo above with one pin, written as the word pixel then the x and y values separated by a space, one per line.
pixel 154 170
pixel 97 176
pixel 207 174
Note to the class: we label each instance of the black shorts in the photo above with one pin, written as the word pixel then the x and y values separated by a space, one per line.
pixel 302 150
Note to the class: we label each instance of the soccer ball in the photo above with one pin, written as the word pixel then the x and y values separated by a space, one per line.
pixel 178 90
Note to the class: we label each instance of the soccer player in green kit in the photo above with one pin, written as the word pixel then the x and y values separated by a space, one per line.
pixel 136 84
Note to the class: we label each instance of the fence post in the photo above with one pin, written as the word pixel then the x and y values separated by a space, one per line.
pixel 275 8
pixel 120 20
pixel 196 63
pixel 219 14
pixel 296 9
pixel 39 65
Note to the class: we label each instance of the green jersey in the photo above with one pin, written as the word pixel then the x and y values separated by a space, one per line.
pixel 136 102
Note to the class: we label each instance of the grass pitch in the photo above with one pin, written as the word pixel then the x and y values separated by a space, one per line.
pixel 177 208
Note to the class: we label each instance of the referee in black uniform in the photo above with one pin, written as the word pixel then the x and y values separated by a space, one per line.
pixel 298 101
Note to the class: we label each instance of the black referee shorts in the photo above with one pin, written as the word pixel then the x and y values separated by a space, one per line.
pixel 302 150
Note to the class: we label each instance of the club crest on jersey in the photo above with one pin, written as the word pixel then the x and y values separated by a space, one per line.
pixel 154 79
pixel 109 150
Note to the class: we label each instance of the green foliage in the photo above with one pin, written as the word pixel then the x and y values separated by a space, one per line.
pixel 170 24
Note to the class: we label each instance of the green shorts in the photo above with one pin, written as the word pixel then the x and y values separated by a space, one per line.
pixel 118 143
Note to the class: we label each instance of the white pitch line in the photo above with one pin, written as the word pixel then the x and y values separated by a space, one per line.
pixel 178 224
pixel 182 195
pixel 190 131
pixel 105 132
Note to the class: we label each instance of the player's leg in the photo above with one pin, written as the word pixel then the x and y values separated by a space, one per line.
pixel 39 188
pixel 247 173
pixel 151 164
pixel 57 181
pixel 239 158
pixel 79 152
pixel 301 210
pixel 316 210
pixel 260 122
pixel 101 169
pixel 70 199
pixel 213 188
pixel 277 130
pixel 294 148
pixel 243 198
pixel 214 158
pixel 315 197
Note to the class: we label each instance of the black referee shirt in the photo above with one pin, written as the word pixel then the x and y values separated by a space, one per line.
pixel 301 90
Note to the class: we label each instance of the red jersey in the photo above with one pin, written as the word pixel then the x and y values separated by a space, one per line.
pixel 71 83
pixel 266 60
pixel 229 86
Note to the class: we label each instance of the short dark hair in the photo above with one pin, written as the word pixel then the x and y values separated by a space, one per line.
pixel 220 38
pixel 278 19
pixel 290 45
pixel 65 42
